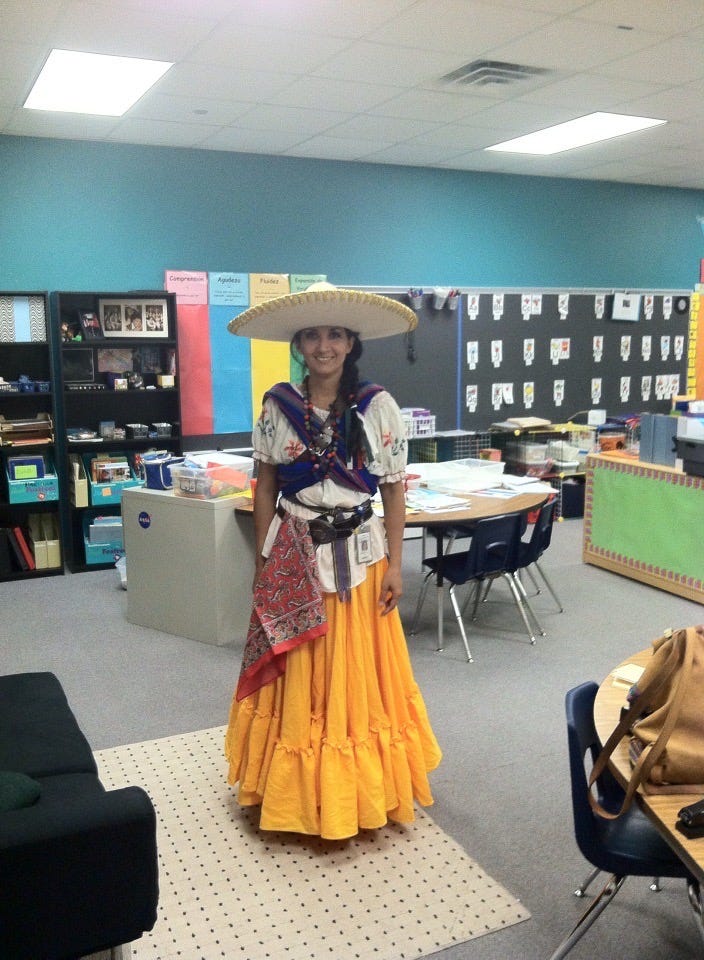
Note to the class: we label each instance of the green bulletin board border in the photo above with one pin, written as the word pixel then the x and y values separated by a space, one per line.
pixel 648 520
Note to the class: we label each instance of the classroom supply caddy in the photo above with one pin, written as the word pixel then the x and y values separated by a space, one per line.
pixel 210 476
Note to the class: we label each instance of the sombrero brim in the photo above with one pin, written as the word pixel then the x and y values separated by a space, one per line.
pixel 368 314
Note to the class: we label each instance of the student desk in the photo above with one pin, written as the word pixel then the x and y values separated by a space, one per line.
pixel 645 521
pixel 661 809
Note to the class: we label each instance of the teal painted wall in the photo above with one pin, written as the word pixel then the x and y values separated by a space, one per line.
pixel 78 215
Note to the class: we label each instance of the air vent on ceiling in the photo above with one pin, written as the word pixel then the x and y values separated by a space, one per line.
pixel 481 73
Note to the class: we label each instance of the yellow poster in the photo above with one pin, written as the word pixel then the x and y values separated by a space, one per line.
pixel 266 286
pixel 270 360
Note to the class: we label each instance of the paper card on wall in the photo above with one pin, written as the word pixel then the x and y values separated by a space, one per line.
pixel 646 346
pixel 679 347
pixel 528 352
pixel 228 289
pixel 536 304
pixel 667 307
pixel 301 281
pixel 660 386
pixel 625 389
pixel 497 352
pixel 190 286
pixel 497 305
pixel 471 397
pixel 525 305
pixel 648 305
pixel 528 394
pixel 472 354
pixel 599 305
pixel 596 389
pixel 555 351
pixel 563 305
pixel 646 385
pixel 565 348
pixel 266 286
pixel 472 305
pixel 497 395
pixel 664 347
pixel 558 392
pixel 507 392
pixel 597 348
pixel 674 388
pixel 625 348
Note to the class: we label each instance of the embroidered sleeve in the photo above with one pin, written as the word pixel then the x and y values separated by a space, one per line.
pixel 387 437
pixel 273 439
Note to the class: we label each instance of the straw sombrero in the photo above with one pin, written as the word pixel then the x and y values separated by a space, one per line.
pixel 368 314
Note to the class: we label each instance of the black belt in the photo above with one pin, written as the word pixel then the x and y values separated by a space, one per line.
pixel 325 530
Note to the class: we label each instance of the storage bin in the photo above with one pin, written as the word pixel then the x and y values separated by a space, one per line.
pixel 34 490
pixel 100 552
pixel 108 491
pixel 208 477
pixel 44 535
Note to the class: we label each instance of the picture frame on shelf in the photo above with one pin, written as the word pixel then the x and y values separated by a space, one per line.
pixel 90 325
pixel 134 318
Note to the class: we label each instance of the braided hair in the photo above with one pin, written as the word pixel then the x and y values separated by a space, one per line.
pixel 355 441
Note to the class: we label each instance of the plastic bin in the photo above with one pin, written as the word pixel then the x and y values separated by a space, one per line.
pixel 209 477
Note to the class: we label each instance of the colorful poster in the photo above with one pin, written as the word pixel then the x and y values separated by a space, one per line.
pixel 301 281
pixel 194 357
pixel 266 286
pixel 190 286
pixel 229 289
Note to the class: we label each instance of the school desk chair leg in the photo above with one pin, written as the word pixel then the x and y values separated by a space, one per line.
pixel 419 604
pixel 550 588
pixel 458 616
pixel 592 913
pixel 441 600
pixel 694 892
pixel 523 607
pixel 582 888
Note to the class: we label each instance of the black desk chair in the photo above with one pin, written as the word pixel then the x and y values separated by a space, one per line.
pixel 530 551
pixel 628 846
pixel 492 553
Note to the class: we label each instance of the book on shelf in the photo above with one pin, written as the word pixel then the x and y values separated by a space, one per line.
pixel 24 547
pixel 16 549
pixel 522 423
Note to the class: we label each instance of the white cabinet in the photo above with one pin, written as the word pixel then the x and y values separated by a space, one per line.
pixel 190 565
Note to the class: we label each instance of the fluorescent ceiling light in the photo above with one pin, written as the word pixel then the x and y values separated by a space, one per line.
pixel 72 82
pixel 576 133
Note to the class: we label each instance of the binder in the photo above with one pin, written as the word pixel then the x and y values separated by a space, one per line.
pixel 24 547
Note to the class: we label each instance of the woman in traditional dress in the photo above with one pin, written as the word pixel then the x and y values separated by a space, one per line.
pixel 328 730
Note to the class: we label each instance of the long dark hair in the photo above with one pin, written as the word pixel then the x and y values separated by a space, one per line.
pixel 347 394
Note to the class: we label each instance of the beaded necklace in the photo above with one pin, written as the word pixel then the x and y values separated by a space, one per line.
pixel 322 450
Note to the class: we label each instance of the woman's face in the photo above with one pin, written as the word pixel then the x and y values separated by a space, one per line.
pixel 324 349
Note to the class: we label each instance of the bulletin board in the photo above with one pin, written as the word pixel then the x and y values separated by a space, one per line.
pixel 578 357
pixel 565 353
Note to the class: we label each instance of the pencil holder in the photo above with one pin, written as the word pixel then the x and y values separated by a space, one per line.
pixel 452 302
pixel 416 302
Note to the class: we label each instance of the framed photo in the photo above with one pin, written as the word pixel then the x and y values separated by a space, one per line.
pixel 134 318
pixel 90 325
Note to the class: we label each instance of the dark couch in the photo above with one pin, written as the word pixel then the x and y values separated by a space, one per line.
pixel 78 866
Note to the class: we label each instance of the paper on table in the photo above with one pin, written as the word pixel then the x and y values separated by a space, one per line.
pixel 626 675
pixel 423 499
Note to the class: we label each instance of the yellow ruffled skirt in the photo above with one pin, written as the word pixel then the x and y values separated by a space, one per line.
pixel 341 741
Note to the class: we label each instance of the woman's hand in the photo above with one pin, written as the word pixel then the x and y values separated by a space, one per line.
pixel 391 590
pixel 394 501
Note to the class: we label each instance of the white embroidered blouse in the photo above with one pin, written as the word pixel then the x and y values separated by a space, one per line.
pixel 275 441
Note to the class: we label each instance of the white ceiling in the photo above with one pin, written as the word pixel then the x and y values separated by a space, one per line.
pixel 359 80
